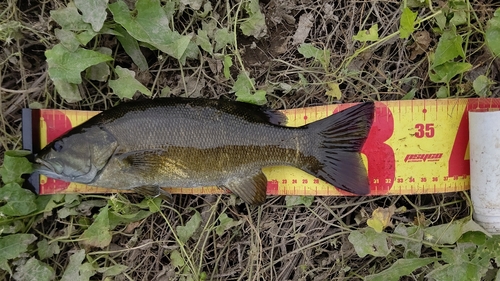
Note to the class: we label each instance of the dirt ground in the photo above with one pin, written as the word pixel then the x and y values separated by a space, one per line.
pixel 271 242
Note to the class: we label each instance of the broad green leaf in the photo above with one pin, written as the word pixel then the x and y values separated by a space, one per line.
pixel 223 38
pixel 69 18
pixel 492 35
pixel 98 234
pixel 34 269
pixel 76 271
pixel 176 259
pixel 460 12
pixel 407 23
pixel 150 23
pixel 126 85
pixel 225 223
pixel 68 39
pixel 68 91
pixel 185 232
pixel 482 86
pixel 100 72
pixel 449 47
pixel 131 47
pixel 413 243
pixel 66 65
pixel 243 88
pixel 400 268
pixel 203 41
pixel 255 24
pixel 9 227
pixel 93 12
pixel 16 201
pixel 11 246
pixel 442 92
pixel 112 270
pixel 46 250
pixel 445 72
pixel 368 242
pixel 367 35
pixel 446 233
pixel 292 200
pixel 228 62
pixel 309 51
pixel 14 165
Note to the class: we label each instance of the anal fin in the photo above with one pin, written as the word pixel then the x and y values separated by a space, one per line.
pixel 153 191
pixel 251 189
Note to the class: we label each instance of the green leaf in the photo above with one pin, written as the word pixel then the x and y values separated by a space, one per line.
pixel 16 201
pixel 400 268
pixel 228 62
pixel 368 242
pixel 68 39
pixel 445 72
pixel 12 246
pixel 116 218
pixel 93 12
pixel 255 24
pixel 150 24
pixel 68 91
pixel 14 165
pixel 410 95
pixel 449 47
pixel 126 85
pixel 69 18
pixel 413 243
pixel 185 232
pixel 334 90
pixel 482 85
pixel 492 36
pixel 442 92
pixel 76 271
pixel 223 38
pixel 203 41
pixel 309 51
pixel 34 269
pixel 66 65
pixel 100 72
pixel 243 88
pixel 98 234
pixel 446 233
pixel 367 35
pixel 298 200
pixel 225 223
pixel 176 259
pixel 131 47
pixel 407 23
pixel 46 250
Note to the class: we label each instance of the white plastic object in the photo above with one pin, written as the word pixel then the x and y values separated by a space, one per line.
pixel 484 149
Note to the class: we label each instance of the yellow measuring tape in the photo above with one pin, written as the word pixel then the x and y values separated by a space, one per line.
pixel 414 147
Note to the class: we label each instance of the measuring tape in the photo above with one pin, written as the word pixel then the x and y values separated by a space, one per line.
pixel 414 147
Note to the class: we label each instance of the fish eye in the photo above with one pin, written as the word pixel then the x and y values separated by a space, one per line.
pixel 58 145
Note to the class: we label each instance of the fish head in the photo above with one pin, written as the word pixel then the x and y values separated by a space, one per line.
pixel 78 156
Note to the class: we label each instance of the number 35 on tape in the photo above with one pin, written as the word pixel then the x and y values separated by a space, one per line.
pixel 414 147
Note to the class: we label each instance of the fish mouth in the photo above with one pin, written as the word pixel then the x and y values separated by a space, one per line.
pixel 47 168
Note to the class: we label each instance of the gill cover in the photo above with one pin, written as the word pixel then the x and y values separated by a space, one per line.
pixel 77 156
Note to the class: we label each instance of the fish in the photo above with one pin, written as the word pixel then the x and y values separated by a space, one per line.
pixel 185 142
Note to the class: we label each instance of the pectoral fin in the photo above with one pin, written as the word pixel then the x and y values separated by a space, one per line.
pixel 251 189
pixel 154 191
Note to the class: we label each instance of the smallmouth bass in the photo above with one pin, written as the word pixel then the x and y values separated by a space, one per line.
pixel 180 142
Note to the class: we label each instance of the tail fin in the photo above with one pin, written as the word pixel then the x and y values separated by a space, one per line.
pixel 340 138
